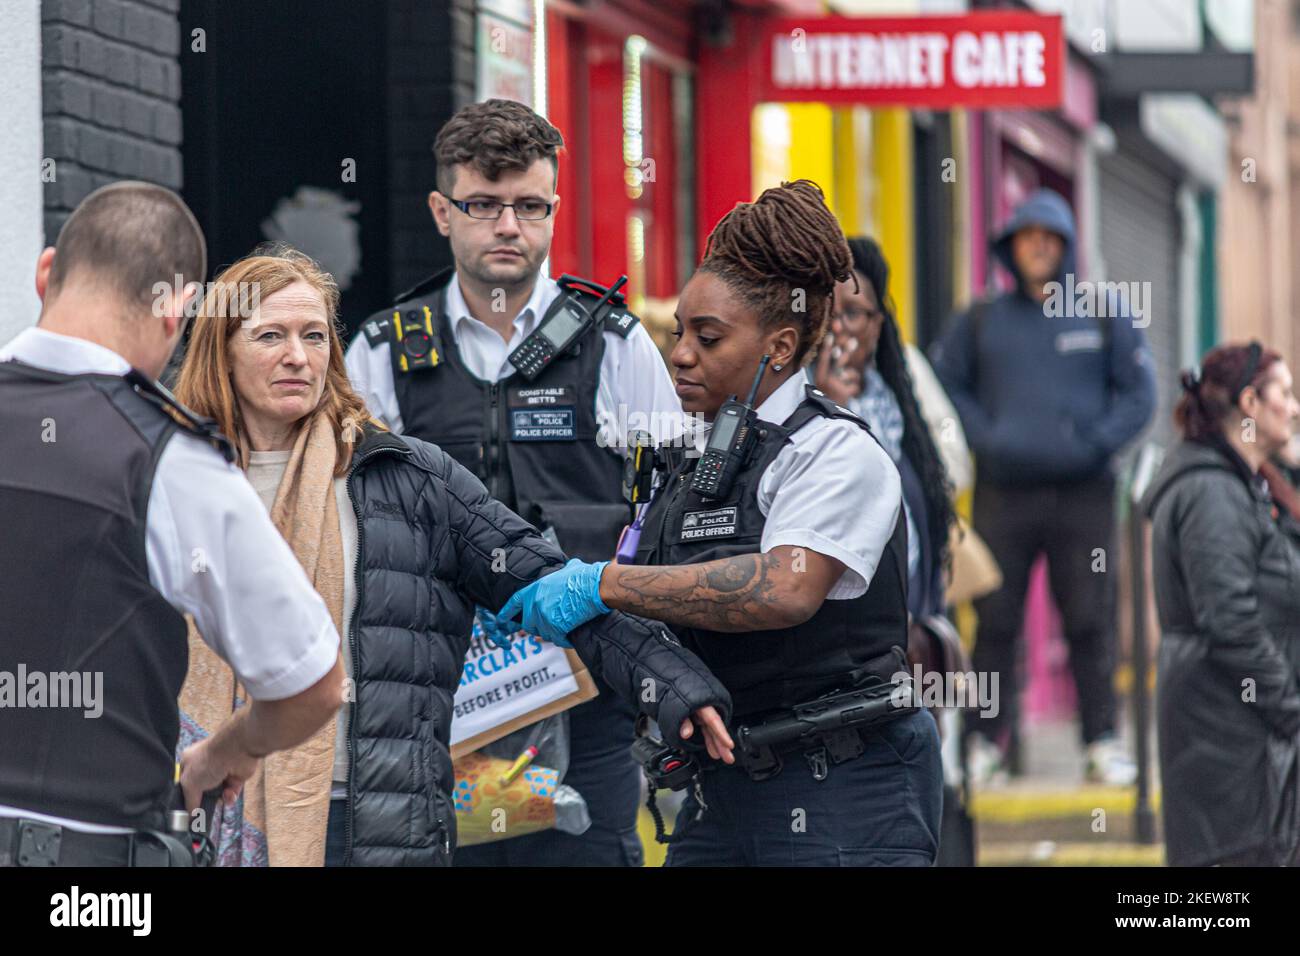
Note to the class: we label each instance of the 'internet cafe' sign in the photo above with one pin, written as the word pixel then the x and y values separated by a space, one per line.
pixel 981 59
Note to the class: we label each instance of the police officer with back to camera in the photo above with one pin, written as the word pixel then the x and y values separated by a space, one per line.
pixel 123 513
pixel 779 556
pixel 529 383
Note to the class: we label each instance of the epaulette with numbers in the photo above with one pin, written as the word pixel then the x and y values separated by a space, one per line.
pixel 617 317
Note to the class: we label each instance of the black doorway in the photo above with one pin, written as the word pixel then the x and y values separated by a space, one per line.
pixel 285 128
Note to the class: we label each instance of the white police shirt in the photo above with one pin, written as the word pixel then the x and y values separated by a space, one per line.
pixel 212 552
pixel 832 490
pixel 635 391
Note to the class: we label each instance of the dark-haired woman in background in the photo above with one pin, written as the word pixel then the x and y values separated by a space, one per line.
pixel 792 583
pixel 1227 583
pixel 863 365
pixel 864 368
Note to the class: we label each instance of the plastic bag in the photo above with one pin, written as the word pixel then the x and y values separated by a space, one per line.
pixel 513 786
pixel 550 736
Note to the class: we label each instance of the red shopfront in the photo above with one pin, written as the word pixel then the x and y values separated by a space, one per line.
pixel 658 117
pixel 984 60
pixel 620 83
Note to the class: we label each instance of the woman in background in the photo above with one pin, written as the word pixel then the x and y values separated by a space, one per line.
pixel 1227 583
pixel 865 366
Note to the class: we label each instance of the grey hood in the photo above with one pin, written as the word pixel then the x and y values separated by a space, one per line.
pixel 1043 208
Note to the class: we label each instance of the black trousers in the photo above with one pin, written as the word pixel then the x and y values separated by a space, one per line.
pixel 881 809
pixel 1073 523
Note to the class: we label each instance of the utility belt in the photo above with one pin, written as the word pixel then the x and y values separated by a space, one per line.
pixel 36 843
pixel 25 842
pixel 829 730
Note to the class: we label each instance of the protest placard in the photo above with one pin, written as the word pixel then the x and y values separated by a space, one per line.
pixel 503 689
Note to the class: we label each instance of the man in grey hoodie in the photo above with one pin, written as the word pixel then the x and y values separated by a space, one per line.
pixel 1050 385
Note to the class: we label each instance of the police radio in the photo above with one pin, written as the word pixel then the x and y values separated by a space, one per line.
pixel 558 332
pixel 731 442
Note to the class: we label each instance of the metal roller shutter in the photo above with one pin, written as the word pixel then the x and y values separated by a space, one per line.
pixel 1140 238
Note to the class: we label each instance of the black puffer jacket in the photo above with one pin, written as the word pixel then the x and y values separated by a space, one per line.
pixel 1227 583
pixel 428 535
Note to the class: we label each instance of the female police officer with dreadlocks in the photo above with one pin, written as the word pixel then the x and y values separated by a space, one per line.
pixel 779 555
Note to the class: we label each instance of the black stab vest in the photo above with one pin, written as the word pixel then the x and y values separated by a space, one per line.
pixel 533 444
pixel 776 669
pixel 77 460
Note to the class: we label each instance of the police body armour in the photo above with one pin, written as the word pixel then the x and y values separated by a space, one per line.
pixel 533 443
pixel 775 669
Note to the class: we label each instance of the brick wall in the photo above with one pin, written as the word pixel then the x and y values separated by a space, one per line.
pixel 430 76
pixel 111 90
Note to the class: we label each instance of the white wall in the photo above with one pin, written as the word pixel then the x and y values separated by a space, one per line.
pixel 21 191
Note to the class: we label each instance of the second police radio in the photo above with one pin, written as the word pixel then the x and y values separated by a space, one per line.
pixel 558 332
pixel 731 443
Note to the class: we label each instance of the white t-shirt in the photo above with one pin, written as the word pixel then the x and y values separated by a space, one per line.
pixel 832 490
pixel 212 552
pixel 635 390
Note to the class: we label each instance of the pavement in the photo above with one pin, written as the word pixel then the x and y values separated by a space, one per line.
pixel 1050 816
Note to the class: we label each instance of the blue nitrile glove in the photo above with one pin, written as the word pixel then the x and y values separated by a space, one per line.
pixel 494 629
pixel 554 605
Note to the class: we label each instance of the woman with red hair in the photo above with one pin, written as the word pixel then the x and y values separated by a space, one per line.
pixel 1227 583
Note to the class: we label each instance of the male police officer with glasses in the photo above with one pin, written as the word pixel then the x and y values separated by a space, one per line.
pixel 123 513
pixel 505 370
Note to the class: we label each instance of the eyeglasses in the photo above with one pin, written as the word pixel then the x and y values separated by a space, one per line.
pixel 528 210
pixel 858 314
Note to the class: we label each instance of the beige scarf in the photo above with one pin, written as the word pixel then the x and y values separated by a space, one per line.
pixel 288 798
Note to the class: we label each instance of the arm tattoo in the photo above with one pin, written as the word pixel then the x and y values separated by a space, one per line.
pixel 736 594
